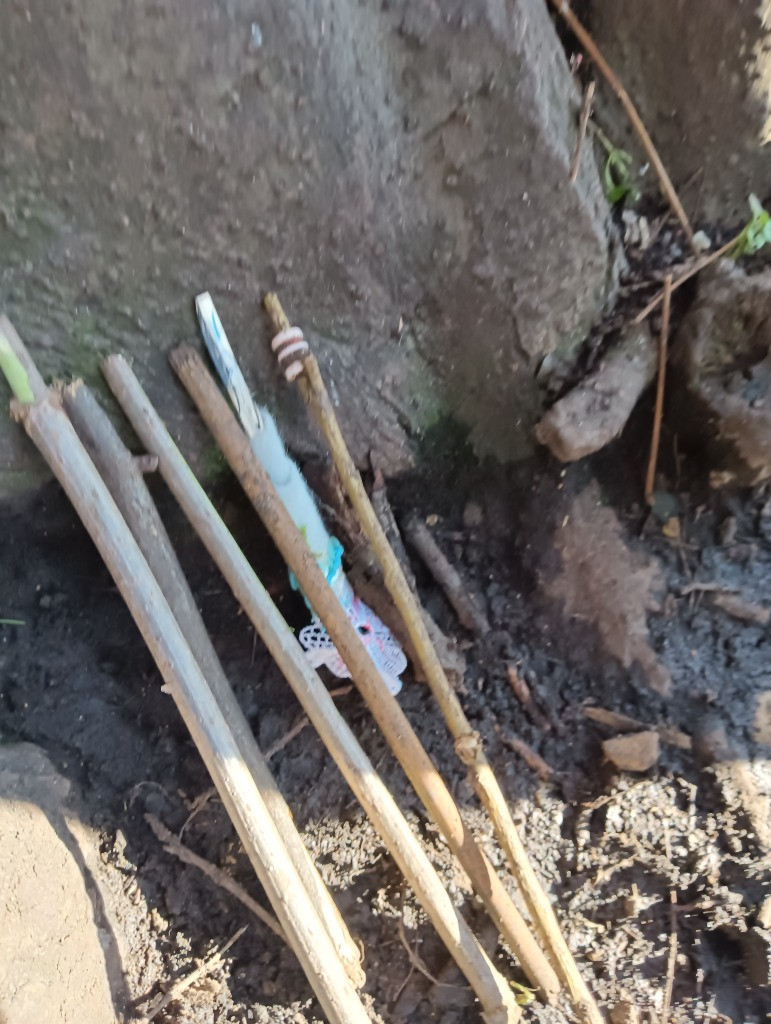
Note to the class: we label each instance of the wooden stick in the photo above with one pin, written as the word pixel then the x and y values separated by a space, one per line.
pixel 613 81
pixel 120 471
pixel 445 574
pixel 650 478
pixel 468 744
pixel 586 109
pixel 492 990
pixel 176 848
pixel 183 984
pixel 385 708
pixel 697 266
pixel 529 756
pixel 55 437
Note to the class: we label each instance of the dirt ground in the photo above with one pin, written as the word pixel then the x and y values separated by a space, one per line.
pixel 611 846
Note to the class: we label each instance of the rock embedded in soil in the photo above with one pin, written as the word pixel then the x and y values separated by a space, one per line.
pixel 723 352
pixel 398 173
pixel 596 411
pixel 637 752
pixel 52 965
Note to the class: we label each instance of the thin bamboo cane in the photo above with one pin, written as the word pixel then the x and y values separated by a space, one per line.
pixel 495 996
pixel 55 437
pixel 118 468
pixel 468 744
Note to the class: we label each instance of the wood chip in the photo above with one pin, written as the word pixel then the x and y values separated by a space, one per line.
pixel 669 734
pixel 746 611
pixel 634 753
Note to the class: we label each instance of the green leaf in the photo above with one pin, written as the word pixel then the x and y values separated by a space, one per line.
pixel 756 233
pixel 12 622
pixel 616 177
pixel 525 996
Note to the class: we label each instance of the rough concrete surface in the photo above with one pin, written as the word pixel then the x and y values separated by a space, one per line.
pixel 700 76
pixel 397 171
pixel 52 965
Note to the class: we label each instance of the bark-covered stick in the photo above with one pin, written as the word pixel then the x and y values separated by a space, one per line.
pixel 55 437
pixel 468 743
pixel 492 990
pixel 119 470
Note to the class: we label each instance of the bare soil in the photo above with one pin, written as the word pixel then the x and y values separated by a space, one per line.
pixel 611 847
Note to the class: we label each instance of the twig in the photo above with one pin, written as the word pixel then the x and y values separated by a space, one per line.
pixel 525 697
pixel 706 588
pixel 623 723
pixel 745 611
pixel 672 959
pixel 492 990
pixel 528 755
pixel 694 269
pixel 297 727
pixel 650 479
pixel 418 964
pixel 182 984
pixel 613 81
pixel 221 878
pixel 468 744
pixel 586 110
pixel 445 574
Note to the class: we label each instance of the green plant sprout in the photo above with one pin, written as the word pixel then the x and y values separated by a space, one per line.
pixel 756 234
pixel 14 372
pixel 525 996
pixel 616 178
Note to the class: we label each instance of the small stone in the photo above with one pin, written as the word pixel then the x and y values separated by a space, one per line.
pixel 634 753
pixel 625 1012
pixel 472 515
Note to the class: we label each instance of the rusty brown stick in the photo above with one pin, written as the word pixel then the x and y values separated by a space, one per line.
pixel 468 743
pixel 494 994
pixel 614 82
pixel 53 434
pixel 650 478
pixel 692 271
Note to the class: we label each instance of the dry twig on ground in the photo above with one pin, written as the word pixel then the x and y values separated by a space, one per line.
pixel 614 82
pixel 182 984
pixel 650 478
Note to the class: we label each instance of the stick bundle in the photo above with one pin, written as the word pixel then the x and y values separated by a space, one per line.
pixel 53 434
pixel 385 708
pixel 494 994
